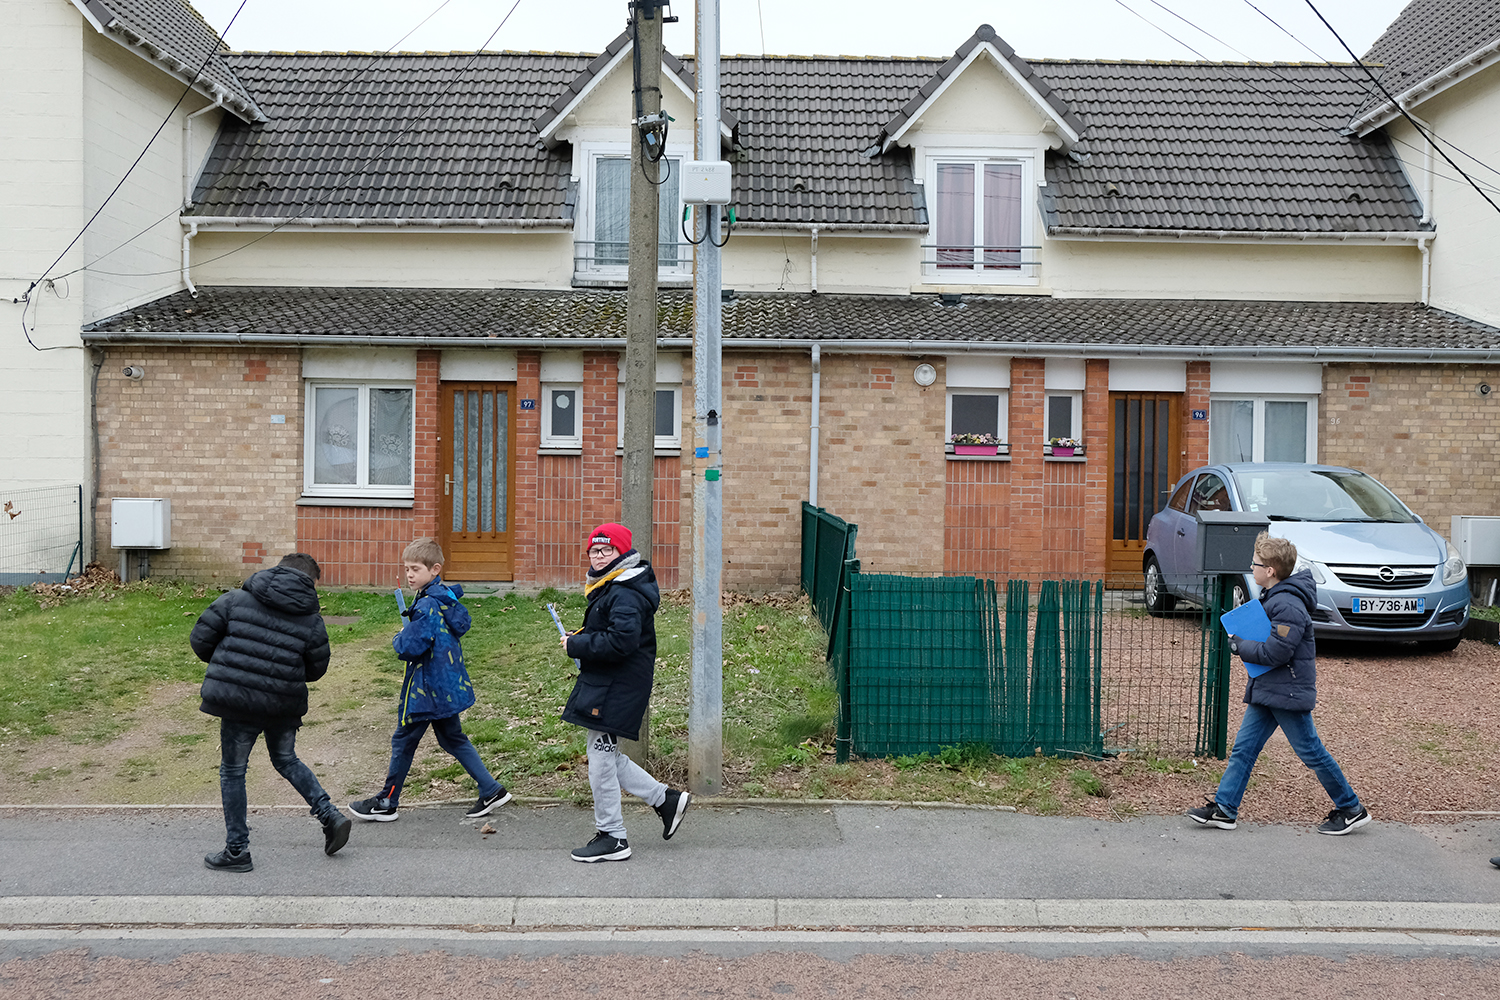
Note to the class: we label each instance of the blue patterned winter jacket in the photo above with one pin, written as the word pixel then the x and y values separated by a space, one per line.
pixel 436 685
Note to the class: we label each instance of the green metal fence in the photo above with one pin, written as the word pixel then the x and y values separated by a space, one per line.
pixel 1060 667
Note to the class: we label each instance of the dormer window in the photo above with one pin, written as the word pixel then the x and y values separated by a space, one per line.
pixel 603 247
pixel 980 210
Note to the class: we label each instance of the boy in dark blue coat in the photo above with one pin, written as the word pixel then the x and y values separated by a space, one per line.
pixel 616 654
pixel 436 687
pixel 1283 696
pixel 263 643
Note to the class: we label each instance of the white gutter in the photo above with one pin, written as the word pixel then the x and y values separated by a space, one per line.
pixel 1453 73
pixel 188 173
pixel 1222 235
pixel 812 450
pixel 814 263
pixel 187 258
pixel 911 348
pixel 237 223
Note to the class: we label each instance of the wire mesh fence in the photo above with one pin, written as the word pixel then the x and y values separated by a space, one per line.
pixel 1057 667
pixel 41 534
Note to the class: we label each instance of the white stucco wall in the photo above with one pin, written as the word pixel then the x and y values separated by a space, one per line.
pixel 982 99
pixel 44 406
pixel 1466 251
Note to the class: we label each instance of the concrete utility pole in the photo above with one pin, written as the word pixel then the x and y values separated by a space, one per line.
pixel 640 306
pixel 649 165
pixel 706 704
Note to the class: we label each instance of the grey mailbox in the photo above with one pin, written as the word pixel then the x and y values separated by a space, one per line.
pixel 1226 540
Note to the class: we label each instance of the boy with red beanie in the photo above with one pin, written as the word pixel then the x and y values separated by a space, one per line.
pixel 616 654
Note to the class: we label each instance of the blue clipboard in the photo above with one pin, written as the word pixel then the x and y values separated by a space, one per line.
pixel 400 601
pixel 1248 621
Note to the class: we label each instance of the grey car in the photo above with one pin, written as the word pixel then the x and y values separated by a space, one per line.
pixel 1382 574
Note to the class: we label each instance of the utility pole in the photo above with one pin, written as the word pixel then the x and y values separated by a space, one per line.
pixel 647 155
pixel 706 703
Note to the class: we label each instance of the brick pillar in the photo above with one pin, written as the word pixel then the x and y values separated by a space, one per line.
pixel 527 435
pixel 1027 403
pixel 425 519
pixel 601 466
pixel 1195 432
pixel 1096 477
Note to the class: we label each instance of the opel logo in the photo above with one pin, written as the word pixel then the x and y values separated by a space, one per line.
pixel 1387 574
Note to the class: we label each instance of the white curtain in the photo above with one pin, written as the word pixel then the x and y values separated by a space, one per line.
pixel 954 222
pixel 1002 215
pixel 612 211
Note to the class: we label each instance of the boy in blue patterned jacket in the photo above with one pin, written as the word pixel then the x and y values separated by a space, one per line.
pixel 436 687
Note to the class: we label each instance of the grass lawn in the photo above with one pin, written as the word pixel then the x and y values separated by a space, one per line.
pixel 98 703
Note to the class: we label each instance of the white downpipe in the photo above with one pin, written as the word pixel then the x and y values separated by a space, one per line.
pixel 812 450
pixel 815 263
pixel 187 154
pixel 1425 245
pixel 187 257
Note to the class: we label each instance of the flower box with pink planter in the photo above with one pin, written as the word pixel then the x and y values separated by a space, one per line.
pixel 975 444
pixel 1065 447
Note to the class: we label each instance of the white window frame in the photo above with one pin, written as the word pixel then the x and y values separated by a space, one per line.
pixel 1029 271
pixel 1077 397
pixel 361 487
pixel 1258 421
pixel 551 440
pixel 662 442
pixel 585 262
pixel 1002 413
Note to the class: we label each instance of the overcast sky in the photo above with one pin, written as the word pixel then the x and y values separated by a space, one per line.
pixel 1058 29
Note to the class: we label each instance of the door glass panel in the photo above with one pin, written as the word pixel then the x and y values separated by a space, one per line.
pixel 487 462
pixel 1122 427
pixel 459 448
pixel 471 465
pixel 1286 431
pixel 1231 431
pixel 336 456
pixel 501 477
pixel 1133 471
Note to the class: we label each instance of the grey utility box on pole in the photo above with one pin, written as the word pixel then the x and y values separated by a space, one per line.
pixel 1226 540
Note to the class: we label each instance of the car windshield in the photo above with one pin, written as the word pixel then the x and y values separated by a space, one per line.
pixel 1318 495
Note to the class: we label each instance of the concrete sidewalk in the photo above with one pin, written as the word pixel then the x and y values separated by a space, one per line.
pixel 737 866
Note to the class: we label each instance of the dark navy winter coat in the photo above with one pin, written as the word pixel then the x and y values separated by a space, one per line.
pixel 436 685
pixel 1291 649
pixel 262 644
pixel 616 651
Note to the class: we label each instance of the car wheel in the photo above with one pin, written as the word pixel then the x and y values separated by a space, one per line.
pixel 1439 645
pixel 1238 595
pixel 1158 601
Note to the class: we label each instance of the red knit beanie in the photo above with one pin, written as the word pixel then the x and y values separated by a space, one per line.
pixel 609 534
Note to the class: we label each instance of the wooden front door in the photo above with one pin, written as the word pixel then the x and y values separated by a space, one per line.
pixel 476 473
pixel 1145 459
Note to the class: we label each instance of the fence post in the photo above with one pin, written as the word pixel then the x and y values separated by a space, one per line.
pixel 1216 671
pixel 840 658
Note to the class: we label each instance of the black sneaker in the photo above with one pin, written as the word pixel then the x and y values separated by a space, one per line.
pixel 1495 862
pixel 336 834
pixel 227 861
pixel 485 804
pixel 604 847
pixel 1209 814
pixel 671 810
pixel 1339 823
pixel 377 809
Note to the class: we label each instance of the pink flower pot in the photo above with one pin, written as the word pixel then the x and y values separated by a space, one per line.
pixel 1058 451
pixel 975 449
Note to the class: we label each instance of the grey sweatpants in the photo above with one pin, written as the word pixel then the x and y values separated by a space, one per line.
pixel 609 772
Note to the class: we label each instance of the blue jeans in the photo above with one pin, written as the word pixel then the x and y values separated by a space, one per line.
pixel 1260 722
pixel 450 736
pixel 235 741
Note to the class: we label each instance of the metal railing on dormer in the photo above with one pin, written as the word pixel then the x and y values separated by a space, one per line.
pixel 596 256
pixel 999 262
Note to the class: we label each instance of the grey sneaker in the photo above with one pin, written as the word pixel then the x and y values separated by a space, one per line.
pixel 1339 823
pixel 229 861
pixel 1209 814
pixel 604 847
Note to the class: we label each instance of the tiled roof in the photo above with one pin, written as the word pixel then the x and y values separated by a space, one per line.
pixel 173 34
pixel 383 137
pixel 1166 146
pixel 985 33
pixel 1210 146
pixel 1000 322
pixel 1428 37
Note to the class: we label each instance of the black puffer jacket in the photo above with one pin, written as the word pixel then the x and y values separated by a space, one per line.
pixel 616 650
pixel 262 643
pixel 1291 649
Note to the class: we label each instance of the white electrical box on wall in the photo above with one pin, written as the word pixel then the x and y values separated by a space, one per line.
pixel 706 182
pixel 140 523
pixel 1477 539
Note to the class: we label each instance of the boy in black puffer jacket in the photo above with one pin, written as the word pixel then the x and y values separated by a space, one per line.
pixel 1282 696
pixel 616 654
pixel 263 643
